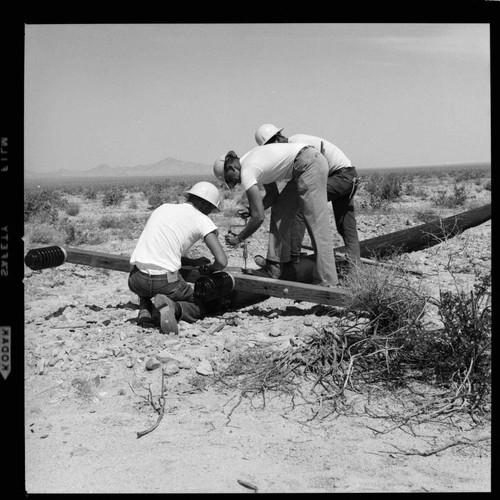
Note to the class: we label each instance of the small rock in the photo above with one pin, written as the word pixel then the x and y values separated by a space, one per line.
pixel 130 363
pixel 123 335
pixel 204 368
pixel 152 364
pixel 170 368
pixel 308 322
pixel 165 355
pixel 276 330
pixel 40 366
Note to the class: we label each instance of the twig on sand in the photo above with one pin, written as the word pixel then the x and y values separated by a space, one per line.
pixel 161 411
pixel 248 485
pixel 440 448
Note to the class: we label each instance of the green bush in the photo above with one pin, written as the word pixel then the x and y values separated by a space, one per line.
pixel 77 235
pixel 42 205
pixel 385 296
pixel 113 196
pixel 44 234
pixel 157 199
pixel 383 188
pixel 456 199
pixel 73 209
pixel 90 193
pixel 111 222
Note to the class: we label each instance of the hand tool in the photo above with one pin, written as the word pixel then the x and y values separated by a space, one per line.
pixel 244 215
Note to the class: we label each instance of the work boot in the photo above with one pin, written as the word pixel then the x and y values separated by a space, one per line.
pixel 166 307
pixel 144 318
pixel 271 268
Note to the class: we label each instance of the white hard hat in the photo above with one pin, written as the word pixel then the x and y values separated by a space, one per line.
pixel 206 191
pixel 219 168
pixel 265 132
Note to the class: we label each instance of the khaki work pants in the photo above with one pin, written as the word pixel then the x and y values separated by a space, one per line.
pixel 307 191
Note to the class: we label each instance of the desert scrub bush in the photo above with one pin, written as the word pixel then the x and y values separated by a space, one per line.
pixel 77 234
pixel 456 199
pixel 458 355
pixel 74 234
pixel 388 352
pixel 90 193
pixel 157 199
pixel 113 222
pixel 73 209
pixel 383 188
pixel 44 233
pixel 43 205
pixel 112 197
pixel 384 296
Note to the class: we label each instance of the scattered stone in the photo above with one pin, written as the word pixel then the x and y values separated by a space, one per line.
pixel 308 322
pixel 40 366
pixel 130 363
pixel 204 368
pixel 152 364
pixel 276 330
pixel 170 368
pixel 165 355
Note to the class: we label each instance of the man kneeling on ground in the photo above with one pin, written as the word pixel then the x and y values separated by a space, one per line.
pixel 171 230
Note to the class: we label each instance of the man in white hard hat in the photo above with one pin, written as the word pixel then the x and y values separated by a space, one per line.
pixel 171 230
pixel 306 171
pixel 341 185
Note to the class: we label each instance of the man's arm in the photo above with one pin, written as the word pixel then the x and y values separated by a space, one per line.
pixel 257 214
pixel 220 257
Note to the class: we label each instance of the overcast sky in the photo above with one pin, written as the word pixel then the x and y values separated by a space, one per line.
pixel 388 95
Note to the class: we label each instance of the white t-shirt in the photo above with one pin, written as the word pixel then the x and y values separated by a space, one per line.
pixel 268 163
pixel 334 156
pixel 170 232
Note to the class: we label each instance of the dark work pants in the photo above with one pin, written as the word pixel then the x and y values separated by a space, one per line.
pixel 146 287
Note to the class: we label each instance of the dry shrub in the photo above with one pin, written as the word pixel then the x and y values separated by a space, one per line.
pixel 73 209
pixel 378 343
pixel 44 234
pixel 385 296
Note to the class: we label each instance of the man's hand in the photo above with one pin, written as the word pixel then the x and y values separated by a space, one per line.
pixel 205 269
pixel 232 240
pixel 200 261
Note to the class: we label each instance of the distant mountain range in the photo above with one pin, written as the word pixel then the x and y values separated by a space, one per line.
pixel 172 167
pixel 167 167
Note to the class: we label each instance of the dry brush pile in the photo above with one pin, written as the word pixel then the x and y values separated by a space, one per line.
pixel 378 343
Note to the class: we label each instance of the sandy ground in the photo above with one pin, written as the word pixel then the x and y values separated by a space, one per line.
pixel 87 383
